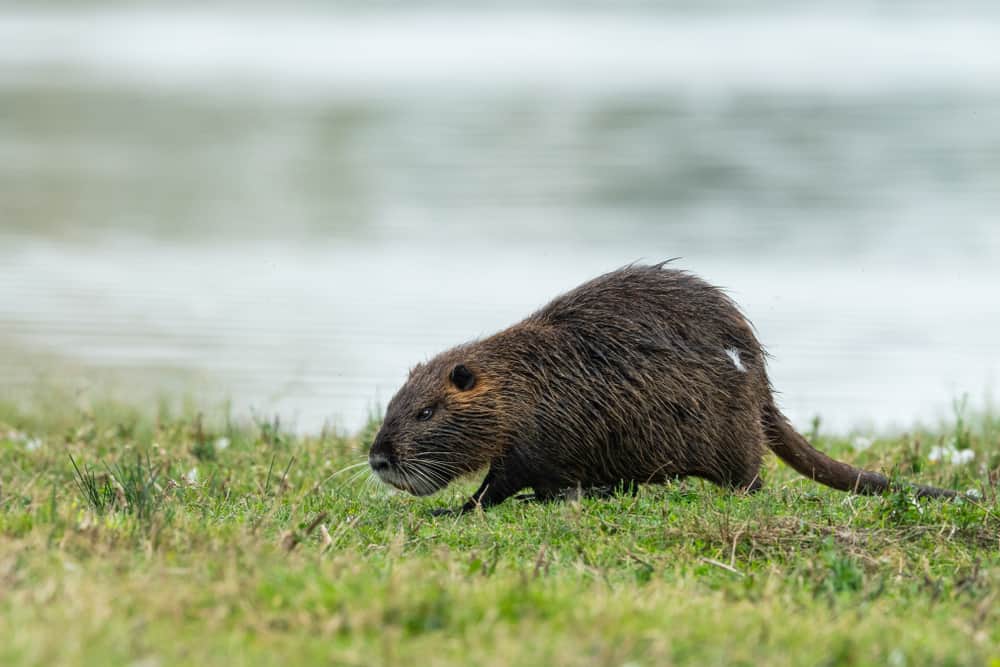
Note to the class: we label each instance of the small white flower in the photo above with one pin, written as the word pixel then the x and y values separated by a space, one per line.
pixel 949 454
pixel 962 456
pixel 192 476
pixel 31 444
pixel 221 443
pixel 861 443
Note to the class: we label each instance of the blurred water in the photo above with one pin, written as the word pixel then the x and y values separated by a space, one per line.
pixel 291 207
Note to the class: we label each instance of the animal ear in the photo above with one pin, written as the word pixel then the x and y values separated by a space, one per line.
pixel 462 378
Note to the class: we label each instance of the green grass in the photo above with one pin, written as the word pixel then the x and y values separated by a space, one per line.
pixel 132 540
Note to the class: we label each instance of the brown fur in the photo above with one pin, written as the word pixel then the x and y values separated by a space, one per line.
pixel 625 380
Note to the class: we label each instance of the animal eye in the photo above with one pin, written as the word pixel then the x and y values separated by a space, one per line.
pixel 425 414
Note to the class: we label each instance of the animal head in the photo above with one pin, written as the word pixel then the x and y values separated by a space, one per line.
pixel 443 423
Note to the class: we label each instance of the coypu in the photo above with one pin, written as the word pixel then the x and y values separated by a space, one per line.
pixel 642 375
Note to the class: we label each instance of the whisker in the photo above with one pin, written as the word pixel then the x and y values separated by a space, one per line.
pixel 342 470
pixel 439 463
pixel 431 483
pixel 356 476
pixel 438 475
pixel 407 483
pixel 430 477
pixel 422 484
pixel 425 457
pixel 350 467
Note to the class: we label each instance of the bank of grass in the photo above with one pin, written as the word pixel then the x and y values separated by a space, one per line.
pixel 129 540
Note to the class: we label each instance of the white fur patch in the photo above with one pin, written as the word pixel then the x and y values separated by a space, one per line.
pixel 734 354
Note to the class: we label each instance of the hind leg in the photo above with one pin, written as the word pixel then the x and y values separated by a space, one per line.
pixel 754 443
pixel 739 460
pixel 743 470
pixel 753 486
pixel 738 479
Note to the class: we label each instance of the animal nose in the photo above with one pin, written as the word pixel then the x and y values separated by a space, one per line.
pixel 378 462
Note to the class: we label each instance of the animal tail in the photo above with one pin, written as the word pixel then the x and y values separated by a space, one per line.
pixel 796 451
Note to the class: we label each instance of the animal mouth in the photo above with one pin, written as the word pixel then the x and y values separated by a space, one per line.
pixel 409 478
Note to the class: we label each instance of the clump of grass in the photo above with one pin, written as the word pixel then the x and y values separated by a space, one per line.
pixel 96 489
pixel 962 436
pixel 130 485
pixel 271 432
pixel 203 446
pixel 138 480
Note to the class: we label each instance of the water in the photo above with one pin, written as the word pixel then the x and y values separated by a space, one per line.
pixel 291 207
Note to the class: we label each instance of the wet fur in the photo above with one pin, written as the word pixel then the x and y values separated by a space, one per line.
pixel 628 379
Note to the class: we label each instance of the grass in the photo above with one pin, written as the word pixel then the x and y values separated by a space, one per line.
pixel 132 540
